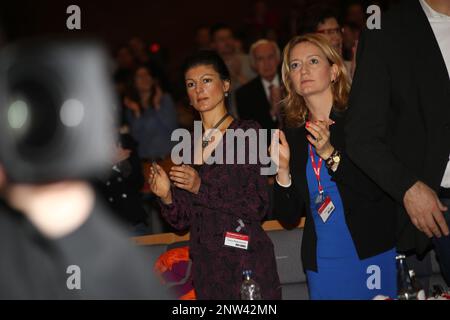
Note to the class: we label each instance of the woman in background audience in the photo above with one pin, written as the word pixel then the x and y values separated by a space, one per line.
pixel 151 115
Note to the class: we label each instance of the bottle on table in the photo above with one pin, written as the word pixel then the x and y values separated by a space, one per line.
pixel 407 285
pixel 250 289
pixel 417 286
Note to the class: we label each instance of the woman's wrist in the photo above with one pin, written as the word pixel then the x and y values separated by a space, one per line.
pixel 283 176
pixel 333 161
pixel 197 186
pixel 167 199
pixel 326 153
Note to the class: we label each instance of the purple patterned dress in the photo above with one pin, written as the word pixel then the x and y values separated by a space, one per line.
pixel 228 192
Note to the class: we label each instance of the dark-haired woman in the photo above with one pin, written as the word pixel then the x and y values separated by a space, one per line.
pixel 348 247
pixel 151 115
pixel 221 204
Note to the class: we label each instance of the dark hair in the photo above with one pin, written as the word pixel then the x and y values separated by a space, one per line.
pixel 316 14
pixel 219 26
pixel 352 26
pixel 202 26
pixel 119 48
pixel 132 91
pixel 207 58
pixel 351 3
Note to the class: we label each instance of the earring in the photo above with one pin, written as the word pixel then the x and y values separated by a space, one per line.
pixel 226 94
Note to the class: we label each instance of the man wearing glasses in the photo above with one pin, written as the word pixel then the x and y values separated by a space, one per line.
pixel 323 20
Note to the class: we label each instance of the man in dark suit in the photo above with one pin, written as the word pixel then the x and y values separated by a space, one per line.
pixel 259 99
pixel 398 126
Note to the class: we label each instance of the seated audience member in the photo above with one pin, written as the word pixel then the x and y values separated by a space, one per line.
pixel 260 99
pixel 224 42
pixel 324 20
pixel 151 115
pixel 355 14
pixel 202 38
pixel 125 65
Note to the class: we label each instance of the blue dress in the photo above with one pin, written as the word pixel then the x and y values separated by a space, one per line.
pixel 341 274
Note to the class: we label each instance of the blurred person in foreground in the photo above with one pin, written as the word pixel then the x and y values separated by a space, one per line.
pixel 57 241
pixel 47 228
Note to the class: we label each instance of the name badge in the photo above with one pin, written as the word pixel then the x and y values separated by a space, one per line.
pixel 236 240
pixel 325 209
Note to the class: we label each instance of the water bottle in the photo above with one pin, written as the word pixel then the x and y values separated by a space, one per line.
pixel 405 289
pixel 420 292
pixel 250 290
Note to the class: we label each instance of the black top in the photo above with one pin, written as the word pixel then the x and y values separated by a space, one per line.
pixel 368 212
pixel 398 128
pixel 35 267
pixel 252 104
pixel 122 189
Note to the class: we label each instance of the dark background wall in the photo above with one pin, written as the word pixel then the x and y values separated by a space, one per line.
pixel 168 21
pixel 171 23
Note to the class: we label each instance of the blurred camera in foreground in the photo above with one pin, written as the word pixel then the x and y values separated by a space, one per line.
pixel 57 111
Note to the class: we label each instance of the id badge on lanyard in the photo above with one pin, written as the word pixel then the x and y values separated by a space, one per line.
pixel 323 204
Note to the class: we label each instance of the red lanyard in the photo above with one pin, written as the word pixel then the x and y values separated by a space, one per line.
pixel 316 168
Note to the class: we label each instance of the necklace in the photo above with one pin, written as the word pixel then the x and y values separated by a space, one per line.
pixel 206 140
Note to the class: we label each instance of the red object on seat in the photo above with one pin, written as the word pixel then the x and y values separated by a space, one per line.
pixel 174 269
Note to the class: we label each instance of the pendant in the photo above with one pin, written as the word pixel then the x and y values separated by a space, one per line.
pixel 206 141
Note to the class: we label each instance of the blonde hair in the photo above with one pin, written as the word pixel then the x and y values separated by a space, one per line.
pixel 295 110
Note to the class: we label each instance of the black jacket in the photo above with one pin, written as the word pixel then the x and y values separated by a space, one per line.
pixel 368 212
pixel 252 104
pixel 398 128
pixel 35 267
pixel 122 189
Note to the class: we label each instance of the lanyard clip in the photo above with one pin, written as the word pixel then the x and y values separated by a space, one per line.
pixel 241 225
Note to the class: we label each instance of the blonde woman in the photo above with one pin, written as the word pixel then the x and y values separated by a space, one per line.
pixel 348 248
